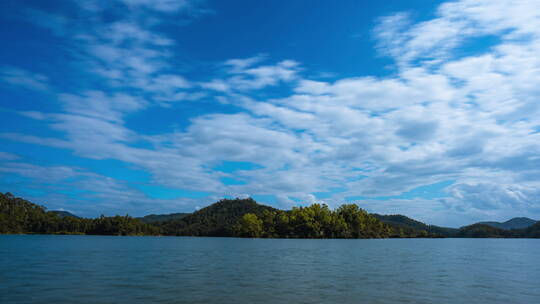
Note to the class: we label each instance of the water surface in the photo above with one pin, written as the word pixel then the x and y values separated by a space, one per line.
pixel 102 269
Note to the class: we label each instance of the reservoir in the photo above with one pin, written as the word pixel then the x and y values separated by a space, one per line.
pixel 104 269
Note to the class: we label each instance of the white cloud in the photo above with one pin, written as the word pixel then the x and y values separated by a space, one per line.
pixel 97 104
pixel 217 85
pixel 455 22
pixel 86 193
pixel 240 64
pixel 8 156
pixel 471 119
pixel 22 78
pixel 246 75
pixel 127 52
pixel 159 5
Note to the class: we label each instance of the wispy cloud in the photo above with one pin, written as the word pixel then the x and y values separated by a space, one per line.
pixel 246 74
pixel 21 78
pixel 159 5
pixel 442 116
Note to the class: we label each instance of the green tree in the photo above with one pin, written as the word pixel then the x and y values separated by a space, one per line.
pixel 250 225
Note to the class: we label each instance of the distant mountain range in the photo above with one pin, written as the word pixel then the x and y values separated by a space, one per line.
pixel 409 223
pixel 515 223
pixel 516 227
pixel 398 220
pixel 154 218
pixel 247 218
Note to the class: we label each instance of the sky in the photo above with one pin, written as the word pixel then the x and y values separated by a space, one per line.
pixel 425 108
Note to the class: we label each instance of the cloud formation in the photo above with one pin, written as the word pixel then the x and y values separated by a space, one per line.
pixel 21 78
pixel 444 115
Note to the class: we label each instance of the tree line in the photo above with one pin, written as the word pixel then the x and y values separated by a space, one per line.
pixel 21 216
pixel 241 218
pixel 316 221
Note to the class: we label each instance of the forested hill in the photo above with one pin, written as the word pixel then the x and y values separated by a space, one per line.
pixel 410 225
pixel 154 218
pixel 246 218
pixel 241 218
pixel 21 216
pixel 238 217
pixel 218 219
pixel 515 223
pixel 487 231
pixel 64 214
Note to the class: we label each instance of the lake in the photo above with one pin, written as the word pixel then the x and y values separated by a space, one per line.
pixel 102 269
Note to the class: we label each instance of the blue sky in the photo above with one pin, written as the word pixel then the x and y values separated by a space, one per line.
pixel 425 108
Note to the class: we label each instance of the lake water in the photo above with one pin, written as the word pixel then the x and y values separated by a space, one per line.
pixel 102 269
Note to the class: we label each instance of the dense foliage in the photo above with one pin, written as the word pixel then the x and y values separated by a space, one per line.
pixel 315 221
pixel 414 228
pixel 20 216
pixel 63 213
pixel 482 231
pixel 218 219
pixel 486 231
pixel 155 218
pixel 241 218
pixel 515 223
pixel 532 231
pixel 246 218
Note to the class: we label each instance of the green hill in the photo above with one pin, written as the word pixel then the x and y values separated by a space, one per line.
pixel 486 231
pixel 482 231
pixel 246 218
pixel 242 218
pixel 217 219
pixel 155 218
pixel 414 227
pixel 532 231
pixel 21 216
pixel 515 223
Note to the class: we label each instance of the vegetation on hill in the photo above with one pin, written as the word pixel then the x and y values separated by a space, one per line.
pixel 515 223
pixel 21 216
pixel 415 228
pixel 480 230
pixel 532 231
pixel 315 221
pixel 246 218
pixel 155 218
pixel 63 213
pixel 217 219
pixel 237 217
pixel 241 218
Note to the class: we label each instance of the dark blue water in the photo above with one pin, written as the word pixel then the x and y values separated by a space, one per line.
pixel 99 269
